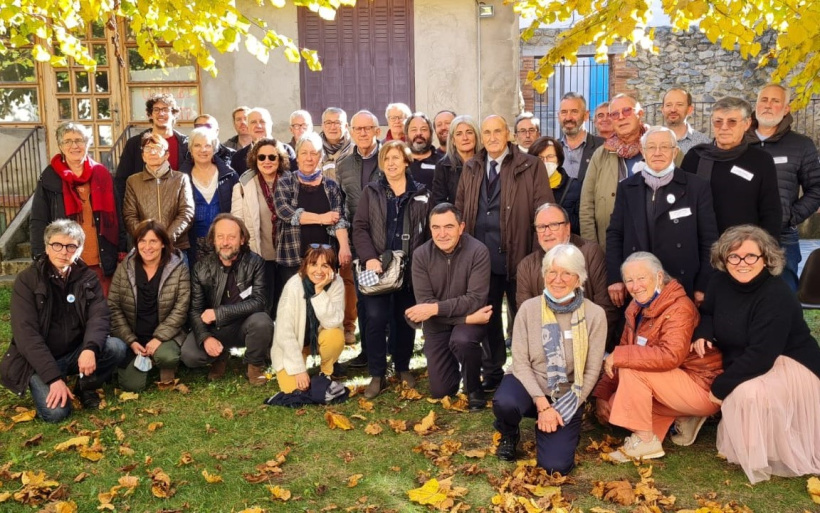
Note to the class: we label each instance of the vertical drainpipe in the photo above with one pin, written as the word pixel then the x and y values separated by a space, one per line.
pixel 478 57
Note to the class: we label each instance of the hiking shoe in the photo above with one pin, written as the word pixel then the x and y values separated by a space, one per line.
pixel 256 375
pixel 636 449
pixel 686 430
pixel 375 387
pixel 506 447
pixel 218 369
pixel 407 378
pixel 490 385
pixel 350 338
pixel 359 361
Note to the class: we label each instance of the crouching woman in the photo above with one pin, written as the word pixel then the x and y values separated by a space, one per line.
pixel 309 319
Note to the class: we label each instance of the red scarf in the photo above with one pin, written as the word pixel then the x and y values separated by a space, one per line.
pixel 101 193
pixel 625 150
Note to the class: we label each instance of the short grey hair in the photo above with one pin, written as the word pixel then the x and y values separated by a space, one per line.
pixel 301 114
pixel 575 96
pixel 733 103
pixel 651 260
pixel 314 139
pixel 70 126
pixel 365 112
pixel 452 152
pixel 67 227
pixel 635 103
pixel 527 115
pixel 335 110
pixel 659 129
pixel 569 257
pixel 552 205
pixel 786 91
pixel 265 113
pixel 400 106
pixel 209 134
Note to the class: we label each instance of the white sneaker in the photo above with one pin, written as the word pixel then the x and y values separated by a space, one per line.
pixel 636 449
pixel 687 429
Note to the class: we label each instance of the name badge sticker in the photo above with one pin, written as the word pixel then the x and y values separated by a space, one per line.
pixel 739 171
pixel 246 293
pixel 641 340
pixel 425 165
pixel 568 334
pixel 781 160
pixel 681 212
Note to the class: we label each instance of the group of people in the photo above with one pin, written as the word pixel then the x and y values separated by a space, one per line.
pixel 653 270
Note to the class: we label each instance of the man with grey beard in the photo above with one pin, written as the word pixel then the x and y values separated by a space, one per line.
pixel 795 157
pixel 577 143
pixel 418 131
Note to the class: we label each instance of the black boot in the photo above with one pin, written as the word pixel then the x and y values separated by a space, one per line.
pixel 476 400
pixel 506 447
pixel 86 392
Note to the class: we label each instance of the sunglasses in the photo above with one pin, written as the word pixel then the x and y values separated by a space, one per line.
pixel 323 246
pixel 262 158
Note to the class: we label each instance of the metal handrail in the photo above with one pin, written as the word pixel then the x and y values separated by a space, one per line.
pixel 111 158
pixel 18 177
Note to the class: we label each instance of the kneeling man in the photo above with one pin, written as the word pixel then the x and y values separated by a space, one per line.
pixel 59 327
pixel 451 280
pixel 228 304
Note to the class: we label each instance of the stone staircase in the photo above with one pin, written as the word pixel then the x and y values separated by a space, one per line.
pixel 19 261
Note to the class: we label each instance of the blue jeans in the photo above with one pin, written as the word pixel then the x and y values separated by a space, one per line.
pixel 793 258
pixel 113 354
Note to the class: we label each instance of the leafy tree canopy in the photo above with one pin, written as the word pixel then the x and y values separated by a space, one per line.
pixel 192 28
pixel 735 25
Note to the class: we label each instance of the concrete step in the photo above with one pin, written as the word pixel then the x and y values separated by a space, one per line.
pixel 14 266
pixel 24 250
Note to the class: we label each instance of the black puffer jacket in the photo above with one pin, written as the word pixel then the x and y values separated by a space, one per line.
pixel 208 286
pixel 795 157
pixel 32 350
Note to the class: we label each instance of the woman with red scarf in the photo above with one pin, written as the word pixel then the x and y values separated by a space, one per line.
pixel 75 187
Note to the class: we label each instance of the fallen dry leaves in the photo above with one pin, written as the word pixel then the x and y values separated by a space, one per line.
pixel 399 426
pixel 278 493
pixel 373 428
pixel 127 483
pixel 268 470
pixel 813 487
pixel 427 424
pixel 337 420
pixel 440 494
pixel 93 452
pixel 128 396
pixel 24 416
pixel 161 484
pixel 644 494
pixel 211 478
pixel 37 488
pixel 353 480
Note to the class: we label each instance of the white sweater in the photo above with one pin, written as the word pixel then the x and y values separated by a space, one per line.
pixel 291 316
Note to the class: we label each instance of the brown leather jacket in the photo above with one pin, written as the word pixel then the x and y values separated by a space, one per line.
pixel 524 187
pixel 169 200
pixel 667 326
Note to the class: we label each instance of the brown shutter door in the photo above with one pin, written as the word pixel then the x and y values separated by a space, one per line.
pixel 366 55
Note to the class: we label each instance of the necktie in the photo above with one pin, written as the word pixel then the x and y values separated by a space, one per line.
pixel 493 178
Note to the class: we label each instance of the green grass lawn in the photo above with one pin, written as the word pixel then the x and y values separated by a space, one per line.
pixel 224 429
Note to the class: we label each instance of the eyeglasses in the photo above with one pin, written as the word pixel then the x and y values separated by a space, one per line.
pixel 322 246
pixel 153 150
pixel 750 259
pixel 202 125
pixel 553 227
pixel 73 142
pixel 299 126
pixel 393 119
pixel 161 110
pixel 623 113
pixel 654 148
pixel 332 123
pixel 525 131
pixel 548 158
pixel 563 275
pixel 59 246
pixel 719 123
pixel 262 157
pixel 363 129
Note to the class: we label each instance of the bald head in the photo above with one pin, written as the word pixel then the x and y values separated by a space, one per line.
pixel 495 134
